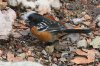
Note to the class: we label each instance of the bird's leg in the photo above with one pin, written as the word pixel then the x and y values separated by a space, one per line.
pixel 49 43
pixel 42 43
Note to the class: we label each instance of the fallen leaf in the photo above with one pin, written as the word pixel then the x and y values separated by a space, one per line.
pixel 80 52
pixel 98 6
pixel 79 60
pixel 87 17
pixel 10 56
pixel 25 49
pixel 23 22
pixel 89 40
pixel 93 25
pixel 3 4
pixel 77 27
pixel 95 33
pixel 87 23
pixel 1 52
pixel 90 54
pixel 31 59
pixel 84 2
pixel 17 59
pixel 29 53
pixel 49 49
pixel 23 26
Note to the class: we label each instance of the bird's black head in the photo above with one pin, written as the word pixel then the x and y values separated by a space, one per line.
pixel 36 18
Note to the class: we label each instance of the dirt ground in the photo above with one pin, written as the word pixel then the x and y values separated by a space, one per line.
pixel 72 49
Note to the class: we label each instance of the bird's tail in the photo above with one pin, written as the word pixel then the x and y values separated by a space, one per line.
pixel 75 30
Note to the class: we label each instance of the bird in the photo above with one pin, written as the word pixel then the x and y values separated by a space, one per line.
pixel 45 29
pixel 41 27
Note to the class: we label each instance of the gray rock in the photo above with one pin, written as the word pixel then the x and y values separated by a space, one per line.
pixel 74 37
pixel 25 32
pixel 98 18
pixel 96 11
pixel 72 48
pixel 16 34
pixel 64 55
pixel 44 52
pixel 19 50
pixel 77 20
pixel 98 24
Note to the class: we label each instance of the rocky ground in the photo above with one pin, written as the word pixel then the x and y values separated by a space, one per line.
pixel 74 49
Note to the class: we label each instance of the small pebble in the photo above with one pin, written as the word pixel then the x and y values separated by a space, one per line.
pixel 77 20
pixel 44 52
pixel 74 37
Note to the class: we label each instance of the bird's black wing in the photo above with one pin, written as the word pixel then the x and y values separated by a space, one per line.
pixel 44 24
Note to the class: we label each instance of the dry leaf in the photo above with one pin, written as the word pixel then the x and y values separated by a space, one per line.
pixel 25 49
pixel 49 49
pixel 87 23
pixel 10 56
pixel 87 17
pixel 80 52
pixel 1 52
pixel 79 60
pixel 77 27
pixel 22 22
pixel 17 59
pixel 95 33
pixel 29 53
pixel 31 59
pixel 23 26
pixel 90 54
pixel 98 6
pixel 89 40
pixel 93 25
pixel 84 2
pixel 2 3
